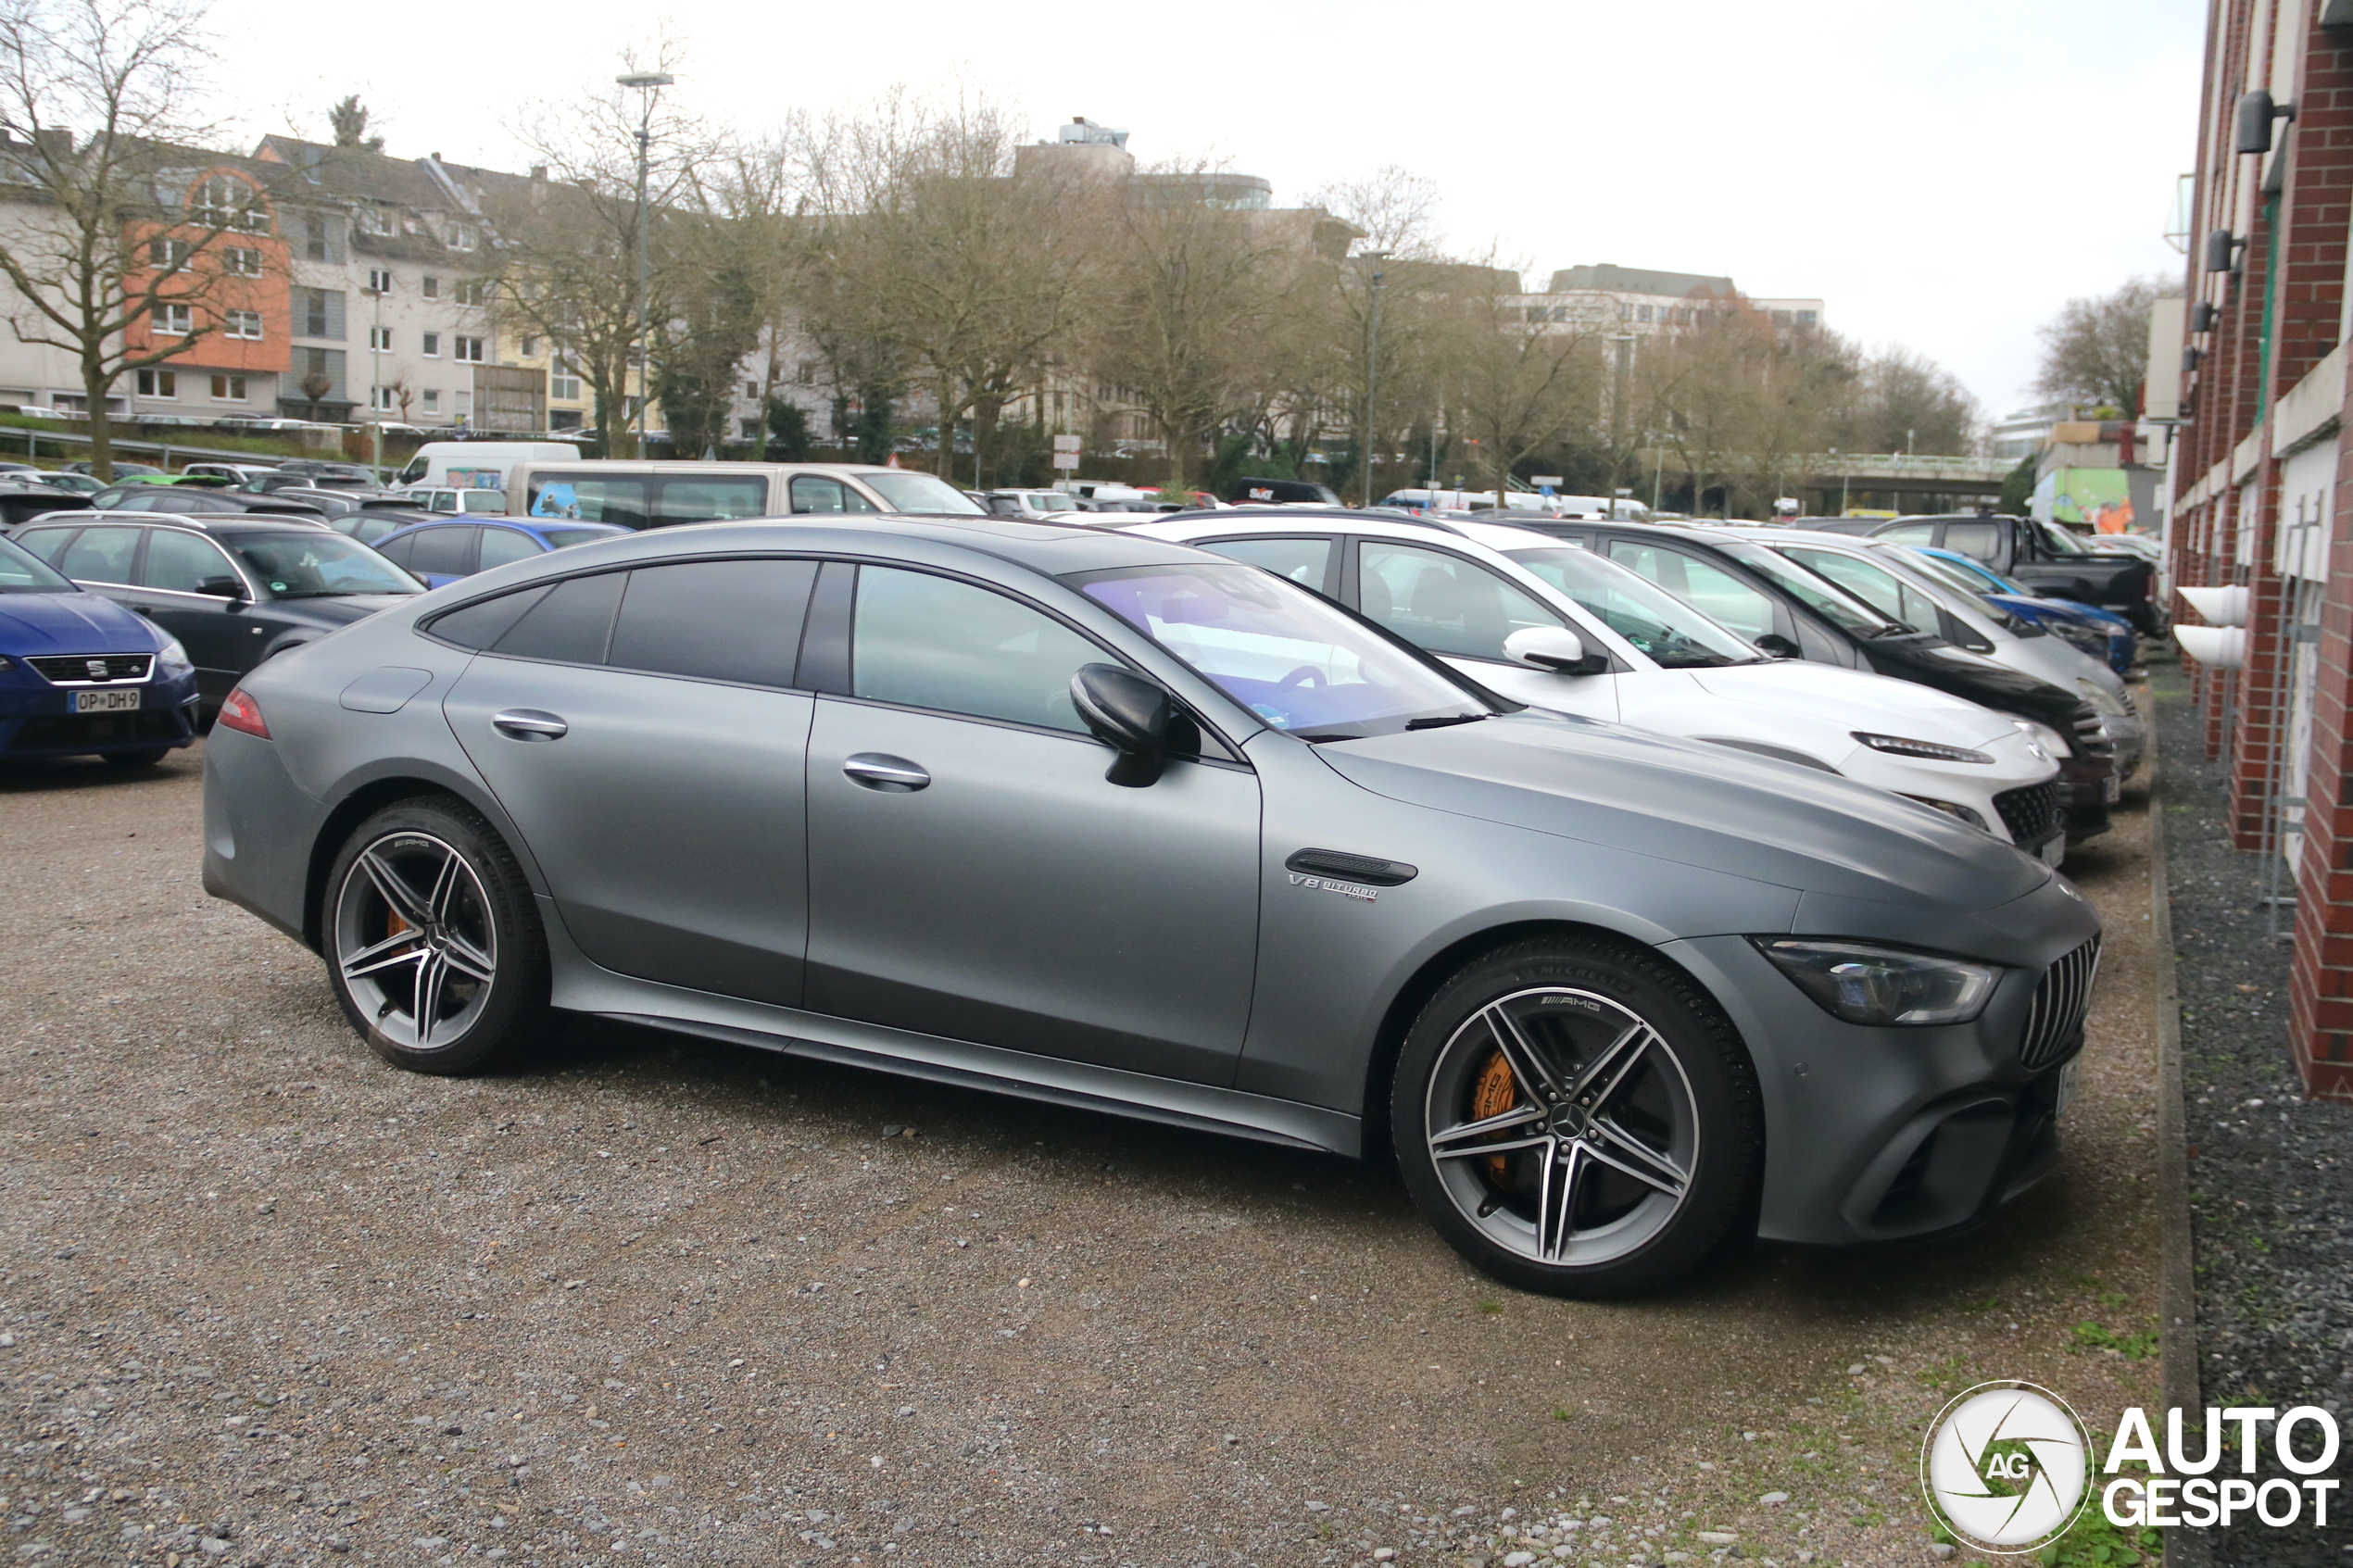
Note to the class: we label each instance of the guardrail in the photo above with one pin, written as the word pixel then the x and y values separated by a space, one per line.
pixel 64 439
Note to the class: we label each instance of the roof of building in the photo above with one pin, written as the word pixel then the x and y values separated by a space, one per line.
pixel 1610 276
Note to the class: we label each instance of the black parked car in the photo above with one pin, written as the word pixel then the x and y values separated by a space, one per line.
pixel 1785 609
pixel 234 590
pixel 21 500
pixel 2045 558
pixel 197 499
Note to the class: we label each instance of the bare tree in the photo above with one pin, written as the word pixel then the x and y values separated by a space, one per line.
pixel 2095 350
pixel 1519 381
pixel 112 236
pixel 1899 400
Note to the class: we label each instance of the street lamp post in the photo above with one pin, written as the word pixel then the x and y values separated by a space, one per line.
pixel 650 83
pixel 1372 375
pixel 1624 342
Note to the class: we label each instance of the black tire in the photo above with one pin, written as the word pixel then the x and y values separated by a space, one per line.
pixel 478 973
pixel 135 759
pixel 1641 1156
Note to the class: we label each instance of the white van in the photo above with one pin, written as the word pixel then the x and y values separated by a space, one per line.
pixel 477 465
pixel 655 494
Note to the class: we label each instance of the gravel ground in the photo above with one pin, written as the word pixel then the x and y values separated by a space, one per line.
pixel 263 1300
pixel 2270 1171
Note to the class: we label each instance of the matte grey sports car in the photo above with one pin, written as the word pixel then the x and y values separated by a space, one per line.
pixel 1118 823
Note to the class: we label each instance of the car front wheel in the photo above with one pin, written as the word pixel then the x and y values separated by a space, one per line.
pixel 1578 1118
pixel 432 942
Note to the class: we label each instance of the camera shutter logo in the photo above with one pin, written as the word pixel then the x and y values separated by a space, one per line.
pixel 2004 1466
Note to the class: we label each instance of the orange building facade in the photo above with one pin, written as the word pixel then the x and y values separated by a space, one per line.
pixel 235 312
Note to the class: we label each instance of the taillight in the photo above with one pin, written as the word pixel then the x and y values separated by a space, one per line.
pixel 243 714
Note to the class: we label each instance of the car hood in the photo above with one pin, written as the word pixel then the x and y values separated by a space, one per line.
pixel 1695 805
pixel 39 623
pixel 1857 700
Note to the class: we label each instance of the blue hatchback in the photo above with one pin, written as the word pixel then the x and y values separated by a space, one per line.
pixel 2104 634
pixel 80 675
pixel 439 553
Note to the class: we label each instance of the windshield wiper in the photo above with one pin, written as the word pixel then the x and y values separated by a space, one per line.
pixel 1443 720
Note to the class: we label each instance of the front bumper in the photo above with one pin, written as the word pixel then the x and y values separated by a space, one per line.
pixel 1896 1134
pixel 37 719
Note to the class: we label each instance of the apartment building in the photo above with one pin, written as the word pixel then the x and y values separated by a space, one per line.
pixel 1643 302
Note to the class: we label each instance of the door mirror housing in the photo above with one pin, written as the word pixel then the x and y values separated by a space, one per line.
pixel 1130 714
pixel 1778 646
pixel 1556 648
pixel 222 588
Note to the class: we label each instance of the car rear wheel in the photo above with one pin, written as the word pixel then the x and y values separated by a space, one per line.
pixel 432 942
pixel 1578 1118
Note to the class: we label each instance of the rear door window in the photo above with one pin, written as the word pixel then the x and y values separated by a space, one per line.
pixel 572 625
pixel 448 552
pixel 102 555
pixel 720 620
pixel 500 545
pixel 179 563
pixel 708 499
pixel 1443 602
pixel 1979 541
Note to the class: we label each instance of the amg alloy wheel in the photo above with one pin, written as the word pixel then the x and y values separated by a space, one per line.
pixel 1576 1118
pixel 436 954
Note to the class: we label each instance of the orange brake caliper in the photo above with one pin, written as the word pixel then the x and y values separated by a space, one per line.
pixel 1496 1092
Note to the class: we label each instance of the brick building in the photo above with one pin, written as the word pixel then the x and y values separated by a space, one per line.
pixel 2261 499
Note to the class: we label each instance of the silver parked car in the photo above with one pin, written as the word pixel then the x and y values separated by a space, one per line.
pixel 1112 821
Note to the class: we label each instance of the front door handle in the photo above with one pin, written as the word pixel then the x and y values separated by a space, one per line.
pixel 529 723
pixel 892 775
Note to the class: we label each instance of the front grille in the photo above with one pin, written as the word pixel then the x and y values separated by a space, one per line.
pixel 52 731
pixel 2030 812
pixel 2055 1019
pixel 2089 733
pixel 93 668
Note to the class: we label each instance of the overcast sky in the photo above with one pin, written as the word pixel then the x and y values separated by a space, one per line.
pixel 1942 176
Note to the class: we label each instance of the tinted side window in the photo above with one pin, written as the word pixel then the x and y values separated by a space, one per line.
pixel 588 498
pixel 46 542
pixel 1443 603
pixel 712 501
pixel 1979 540
pixel 1301 561
pixel 815 492
pixel 1715 593
pixel 1909 533
pixel 479 625
pixel 1884 591
pixel 446 550
pixel 397 551
pixel 723 621
pixel 180 561
pixel 928 642
pixel 500 545
pixel 571 625
pixel 102 555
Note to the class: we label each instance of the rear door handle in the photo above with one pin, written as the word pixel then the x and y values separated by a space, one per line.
pixel 892 775
pixel 529 723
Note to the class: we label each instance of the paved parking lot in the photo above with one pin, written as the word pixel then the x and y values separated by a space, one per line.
pixel 263 1300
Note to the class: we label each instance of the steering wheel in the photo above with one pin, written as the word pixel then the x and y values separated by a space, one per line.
pixel 1305 675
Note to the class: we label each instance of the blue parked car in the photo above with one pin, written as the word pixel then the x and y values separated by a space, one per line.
pixel 80 675
pixel 440 553
pixel 2104 634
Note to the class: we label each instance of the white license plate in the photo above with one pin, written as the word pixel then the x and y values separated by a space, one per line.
pixel 106 702
pixel 2055 849
pixel 2111 789
pixel 2068 1077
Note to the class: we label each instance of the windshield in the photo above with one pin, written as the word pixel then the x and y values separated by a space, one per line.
pixel 2062 543
pixel 1285 654
pixel 315 565
pixel 908 490
pixel 1847 614
pixel 21 573
pixel 1671 633
pixel 1939 570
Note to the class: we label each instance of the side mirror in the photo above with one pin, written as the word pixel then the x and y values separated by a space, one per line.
pixel 1778 646
pixel 1132 714
pixel 222 588
pixel 1556 648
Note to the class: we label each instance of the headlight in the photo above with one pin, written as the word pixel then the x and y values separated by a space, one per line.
pixel 2100 697
pixel 1903 746
pixel 1881 985
pixel 1952 808
pixel 2050 739
pixel 171 660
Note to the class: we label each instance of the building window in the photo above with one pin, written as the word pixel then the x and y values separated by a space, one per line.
pixel 465 401
pixel 228 389
pixel 379 281
pixel 430 288
pixel 171 321
pixel 319 242
pixel 472 290
pixel 320 312
pixel 242 260
pixel 374 221
pixel 531 348
pixel 433 345
pixel 1642 313
pixel 431 396
pixel 158 383
pixel 168 254
pixel 1808 317
pixel 751 390
pixel 461 236
pixel 224 203
pixel 244 324
pixel 563 381
pixel 380 339
pixel 750 429
pixel 467 348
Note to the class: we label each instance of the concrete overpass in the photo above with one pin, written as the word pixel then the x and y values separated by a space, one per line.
pixel 1896 482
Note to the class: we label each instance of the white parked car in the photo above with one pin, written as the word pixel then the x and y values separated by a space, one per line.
pixel 1554 625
